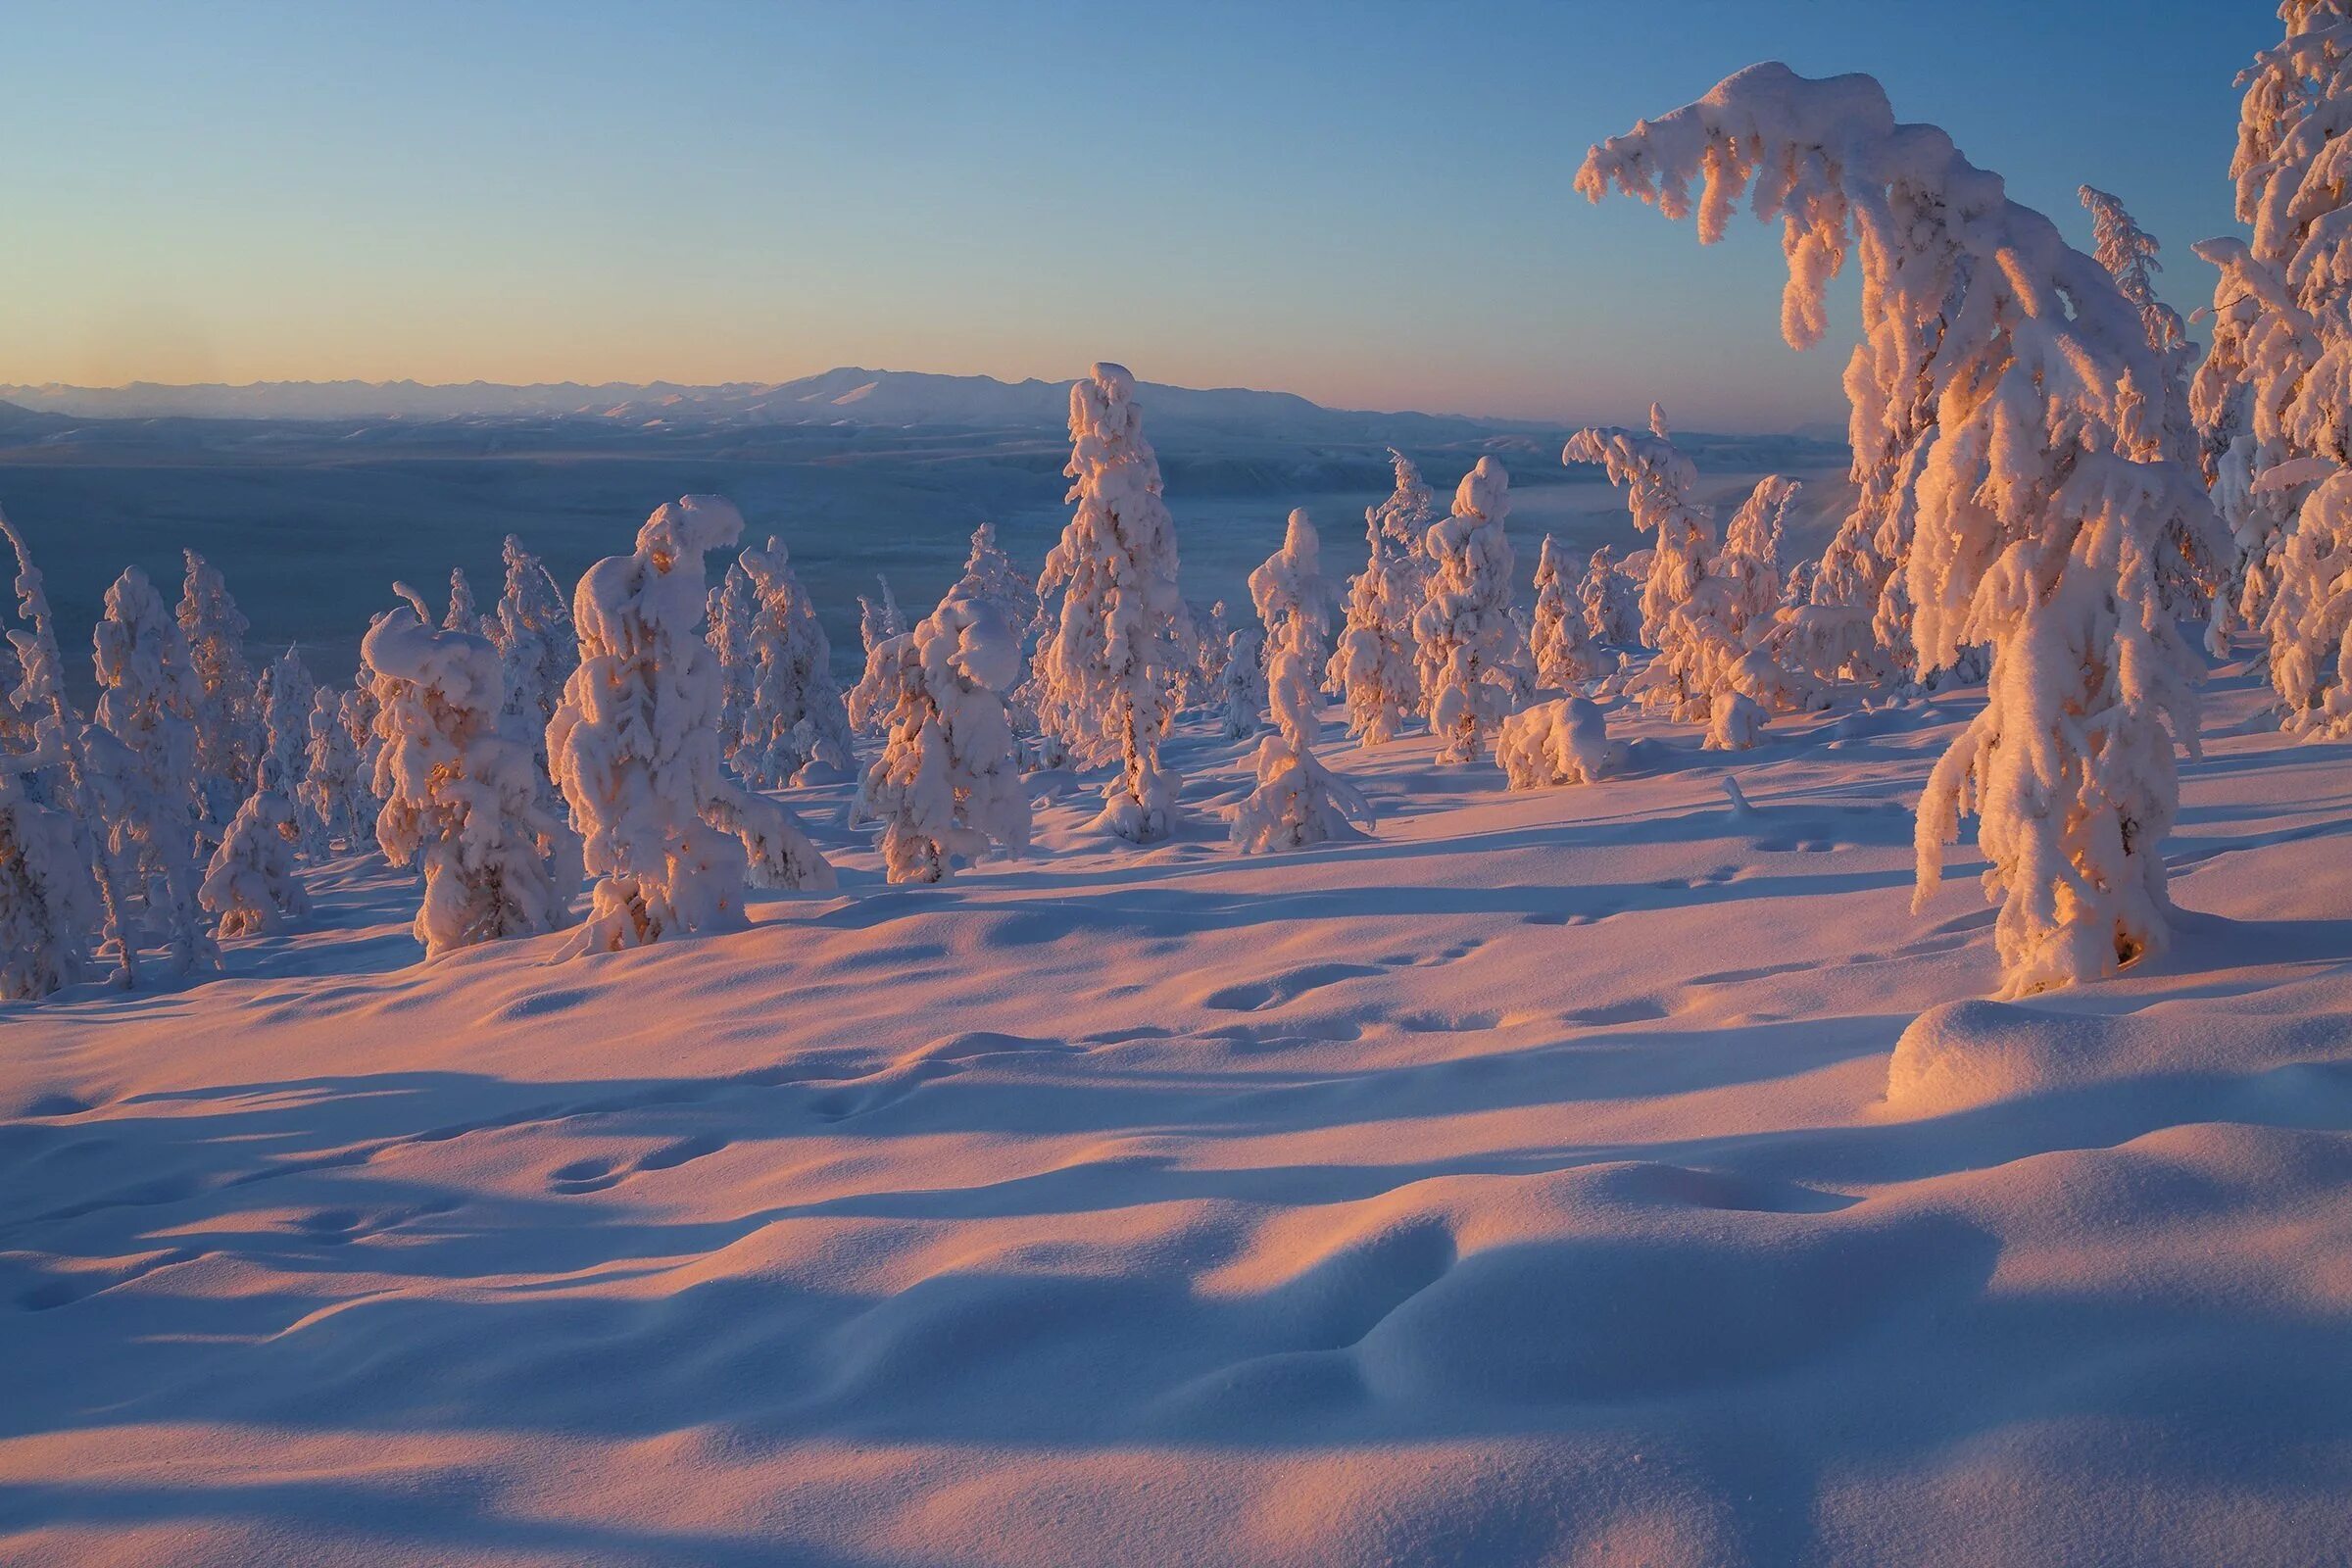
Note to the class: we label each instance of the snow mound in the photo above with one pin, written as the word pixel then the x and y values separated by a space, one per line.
pixel 1972 1053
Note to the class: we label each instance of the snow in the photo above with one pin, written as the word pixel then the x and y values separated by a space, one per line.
pixel 1388 1202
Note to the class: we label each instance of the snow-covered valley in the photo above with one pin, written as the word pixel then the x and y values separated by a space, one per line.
pixel 1579 1175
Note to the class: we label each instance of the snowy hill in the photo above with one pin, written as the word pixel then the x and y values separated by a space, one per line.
pixel 1600 1175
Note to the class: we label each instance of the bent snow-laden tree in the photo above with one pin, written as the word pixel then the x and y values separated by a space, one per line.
pixel 1298 800
pixel 792 713
pixel 2008 434
pixel 1105 676
pixel 459 793
pixel 2273 398
pixel 635 748
pixel 1659 484
pixel 947 782
pixel 1469 648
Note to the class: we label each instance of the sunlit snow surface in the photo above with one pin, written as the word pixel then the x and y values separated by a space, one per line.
pixel 1519 1186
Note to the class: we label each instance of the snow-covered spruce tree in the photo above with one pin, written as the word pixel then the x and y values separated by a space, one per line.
pixel 1685 613
pixel 1204 685
pixel 283 701
pixel 459 794
pixel 252 882
pixel 635 747
pixel 1563 649
pixel 947 782
pixel 147 696
pixel 2189 583
pixel 48 905
pixel 1105 672
pixel 1658 483
pixel 223 713
pixel 793 714
pixel 55 771
pixel 463 613
pixel 2040 503
pixel 336 803
pixel 1298 800
pixel 990 574
pixel 1751 558
pixel 2272 396
pixel 728 632
pixel 1372 664
pixel 1406 516
pixel 1243 680
pixel 1613 605
pixel 532 632
pixel 1466 644
pixel 879 620
pixel 1561 742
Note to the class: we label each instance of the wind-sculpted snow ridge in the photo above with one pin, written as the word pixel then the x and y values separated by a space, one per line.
pixel 1604 1174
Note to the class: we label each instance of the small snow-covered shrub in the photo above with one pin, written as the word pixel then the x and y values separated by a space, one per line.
pixel 1555 743
pixel 253 883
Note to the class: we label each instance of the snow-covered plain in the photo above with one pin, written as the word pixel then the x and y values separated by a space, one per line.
pixel 1596 1175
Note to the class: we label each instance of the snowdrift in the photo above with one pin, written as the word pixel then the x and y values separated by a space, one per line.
pixel 1590 1175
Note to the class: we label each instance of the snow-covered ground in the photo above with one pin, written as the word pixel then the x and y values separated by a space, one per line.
pixel 1600 1175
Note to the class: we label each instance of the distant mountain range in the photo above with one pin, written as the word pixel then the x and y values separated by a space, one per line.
pixel 844 396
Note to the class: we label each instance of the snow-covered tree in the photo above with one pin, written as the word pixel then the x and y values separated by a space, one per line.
pixel 2274 396
pixel 1613 605
pixel 337 801
pixel 1373 665
pixel 459 794
pixel 463 613
pixel 252 882
pixel 1204 685
pixel 1555 743
pixel 728 632
pixel 793 714
pixel 223 713
pixel 879 620
pixel 1751 558
pixel 1105 672
pixel 2009 380
pixel 1244 681
pixel 947 782
pixel 635 747
pixel 1659 485
pixel 989 573
pixel 1563 649
pixel 1298 800
pixel 148 693
pixel 1467 646
pixel 532 632
pixel 284 703
pixel 1405 517
pixel 2187 582
pixel 56 803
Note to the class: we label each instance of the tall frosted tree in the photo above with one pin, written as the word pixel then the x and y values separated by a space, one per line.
pixel 990 574
pixel 1105 675
pixel 1372 665
pixel 283 699
pixel 2033 520
pixel 461 796
pixel 536 650
pixel 463 613
pixel 792 711
pixel 2274 397
pixel 671 841
pixel 223 712
pixel 947 783
pixel 1562 648
pixel 148 692
pixel 1468 647
pixel 1298 800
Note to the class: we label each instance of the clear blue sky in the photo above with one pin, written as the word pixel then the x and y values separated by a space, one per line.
pixel 1366 203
